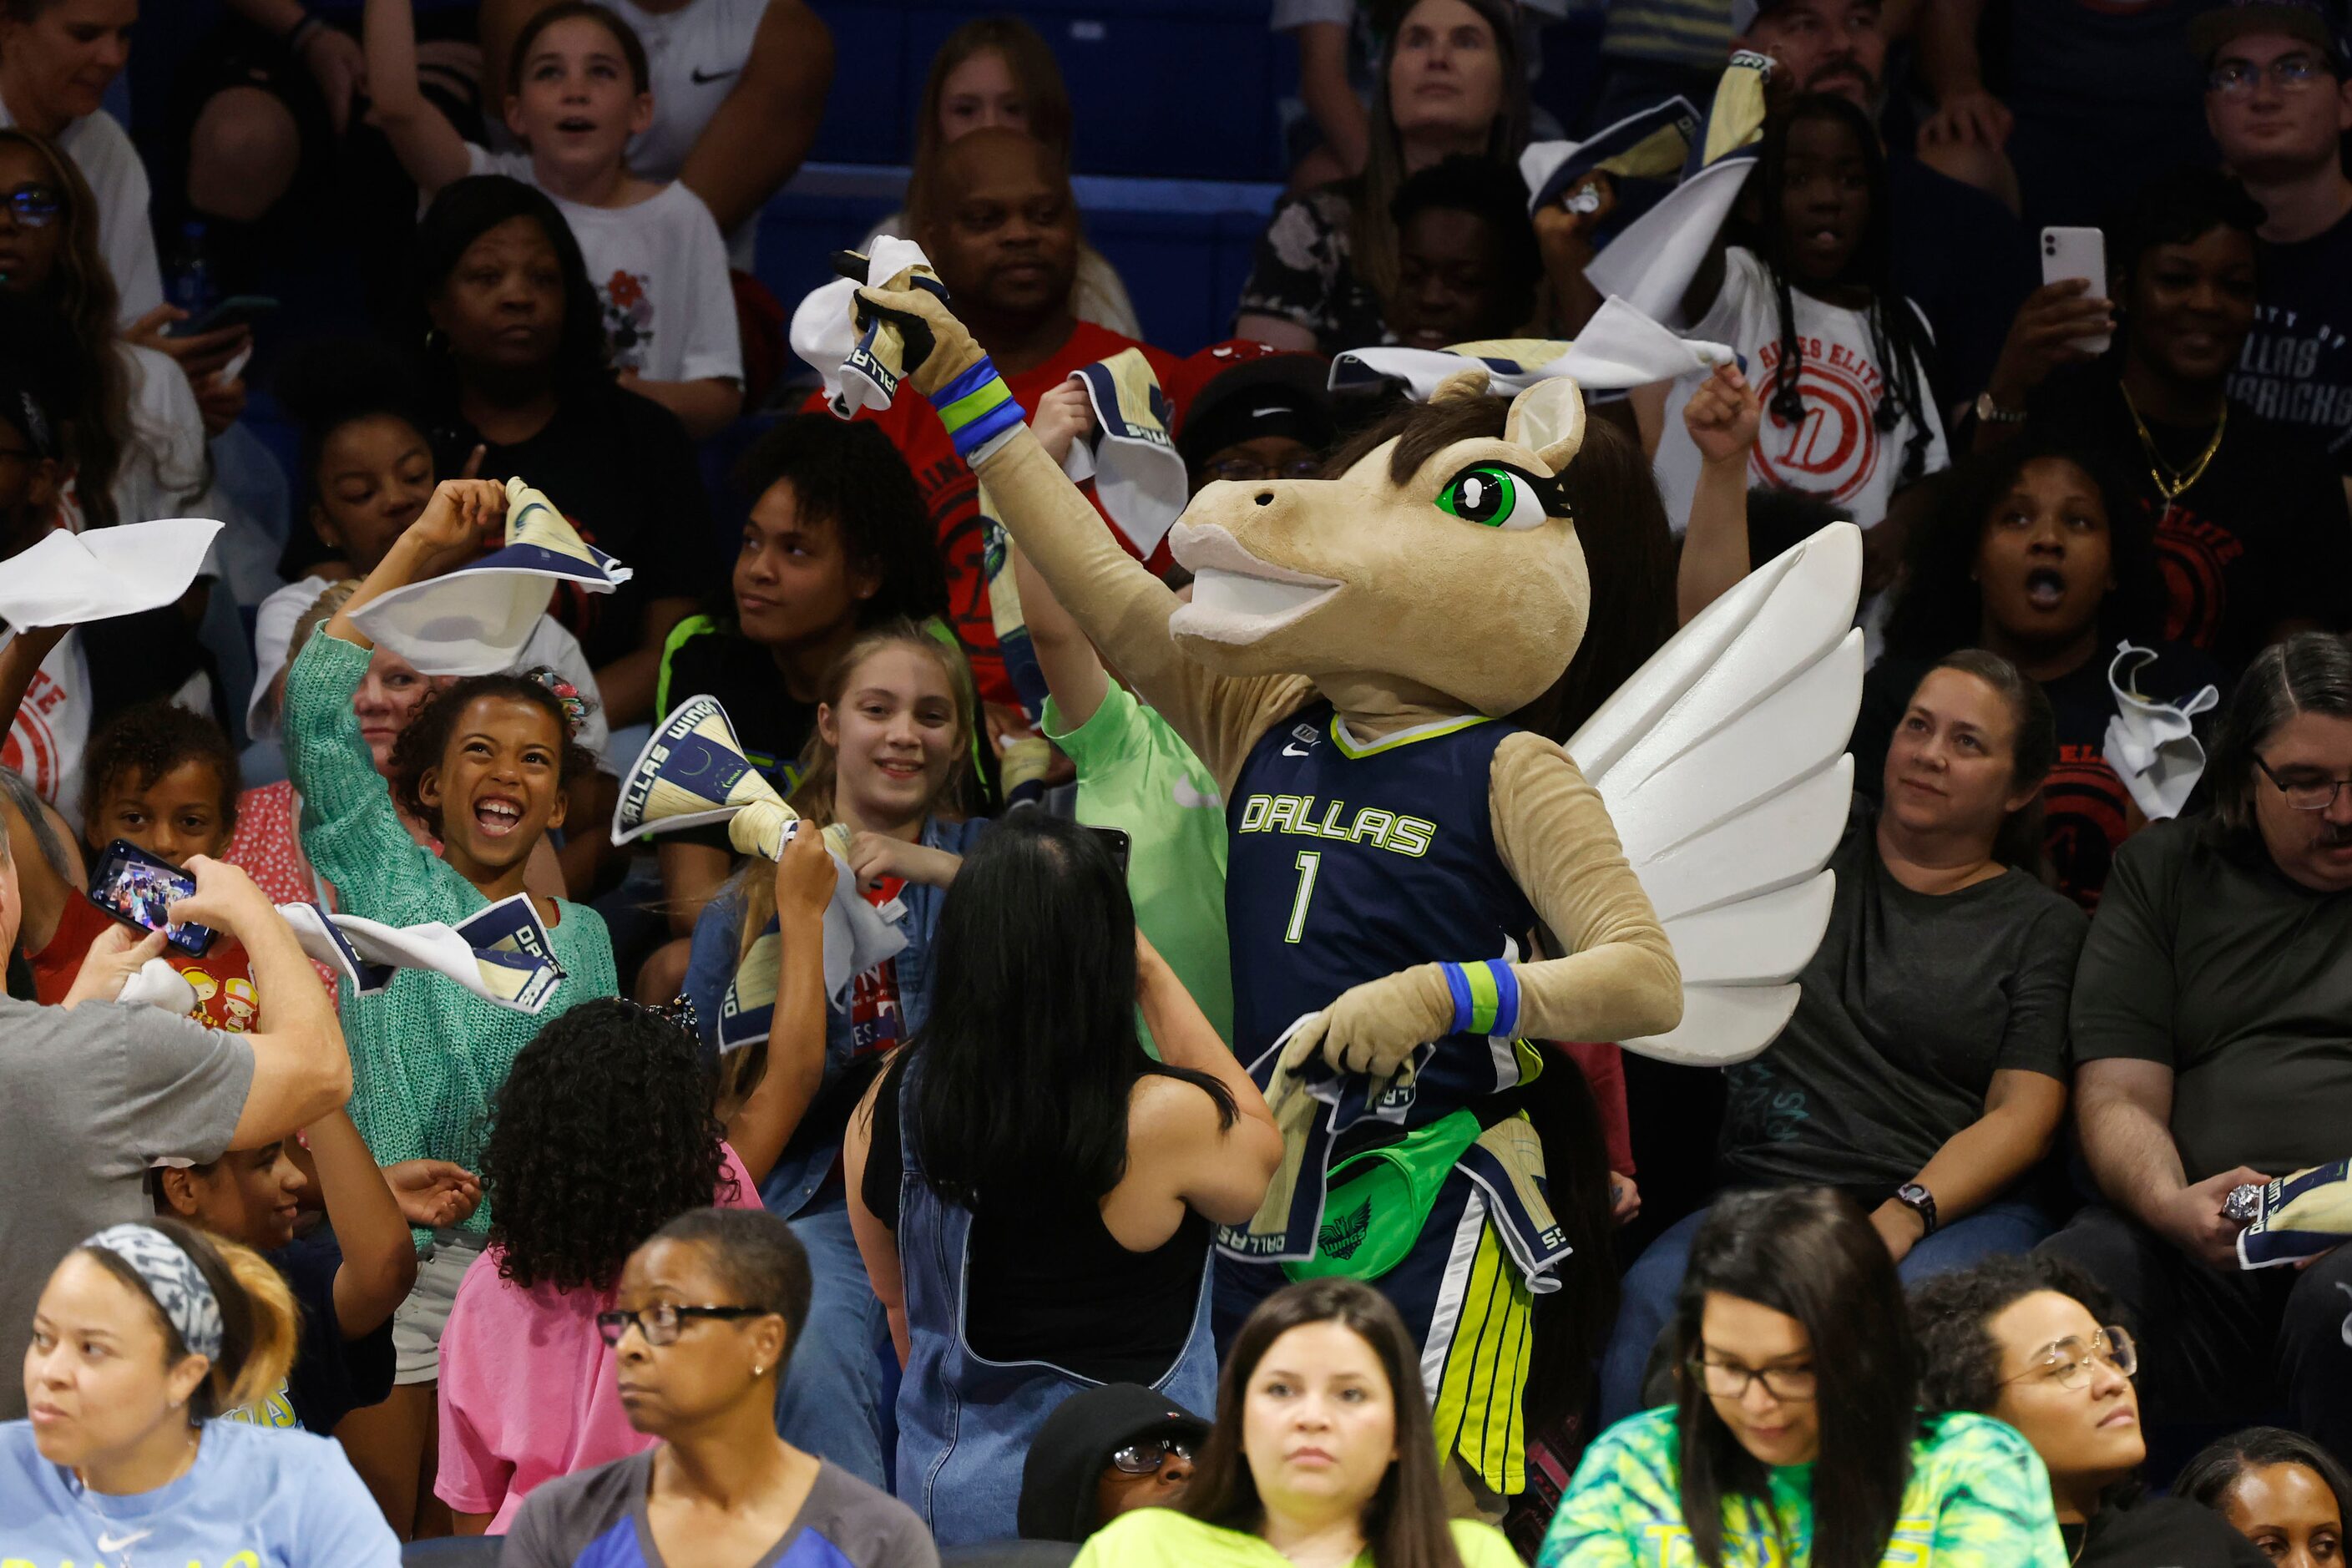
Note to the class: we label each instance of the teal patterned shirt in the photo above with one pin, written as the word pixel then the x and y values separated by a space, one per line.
pixel 426 1054
pixel 1978 1498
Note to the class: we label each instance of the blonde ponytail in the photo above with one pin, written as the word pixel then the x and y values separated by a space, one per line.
pixel 256 1354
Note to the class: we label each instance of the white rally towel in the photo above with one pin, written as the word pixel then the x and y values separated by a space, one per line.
pixel 2152 745
pixel 824 333
pixel 1139 476
pixel 501 953
pixel 475 620
pixel 1621 347
pixel 68 579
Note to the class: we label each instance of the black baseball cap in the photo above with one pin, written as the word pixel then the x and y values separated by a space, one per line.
pixel 1239 390
pixel 1745 12
pixel 2310 21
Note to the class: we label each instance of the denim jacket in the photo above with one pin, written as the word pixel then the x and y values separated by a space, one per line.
pixel 808 1159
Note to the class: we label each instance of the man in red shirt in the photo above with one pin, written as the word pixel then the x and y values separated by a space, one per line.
pixel 995 215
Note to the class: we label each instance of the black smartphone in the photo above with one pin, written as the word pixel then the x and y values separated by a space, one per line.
pixel 237 310
pixel 138 890
pixel 1116 840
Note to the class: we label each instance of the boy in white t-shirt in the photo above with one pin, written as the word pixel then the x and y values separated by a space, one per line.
pixel 576 92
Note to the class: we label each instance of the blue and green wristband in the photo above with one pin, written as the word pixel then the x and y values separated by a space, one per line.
pixel 1486 997
pixel 978 410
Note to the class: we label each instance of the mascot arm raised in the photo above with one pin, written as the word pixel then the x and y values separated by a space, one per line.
pixel 1122 608
pixel 1619 982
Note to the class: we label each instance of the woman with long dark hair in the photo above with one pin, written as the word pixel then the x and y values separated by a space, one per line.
pixel 501 308
pixel 2035 1342
pixel 1321 1455
pixel 1924 1070
pixel 1450 82
pixel 1031 1192
pixel 1802 283
pixel 1795 1434
pixel 2037 553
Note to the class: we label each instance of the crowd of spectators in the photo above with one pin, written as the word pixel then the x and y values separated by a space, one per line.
pixel 2042 295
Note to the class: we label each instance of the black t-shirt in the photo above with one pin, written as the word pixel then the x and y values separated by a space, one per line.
pixel 1083 1302
pixel 622 470
pixel 2261 538
pixel 708 658
pixel 332 1376
pixel 1912 1002
pixel 1965 260
pixel 2296 366
pixel 2088 810
pixel 2166 1531
pixel 2207 960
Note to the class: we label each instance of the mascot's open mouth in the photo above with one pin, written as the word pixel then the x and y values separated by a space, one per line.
pixel 1236 597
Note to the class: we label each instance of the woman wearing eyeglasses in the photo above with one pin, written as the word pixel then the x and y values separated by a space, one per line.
pixel 1795 1436
pixel 2033 1342
pixel 704 1318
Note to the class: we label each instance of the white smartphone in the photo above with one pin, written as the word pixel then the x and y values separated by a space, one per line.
pixel 2078 253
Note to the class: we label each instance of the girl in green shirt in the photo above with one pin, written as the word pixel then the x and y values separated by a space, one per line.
pixel 1795 1440
pixel 483 766
pixel 1322 1455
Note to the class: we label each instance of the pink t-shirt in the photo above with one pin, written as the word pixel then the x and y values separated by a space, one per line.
pixel 527 1383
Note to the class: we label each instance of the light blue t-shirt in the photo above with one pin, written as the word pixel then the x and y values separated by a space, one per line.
pixel 255 1499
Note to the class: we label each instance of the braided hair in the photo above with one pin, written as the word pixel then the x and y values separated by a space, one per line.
pixel 1898 340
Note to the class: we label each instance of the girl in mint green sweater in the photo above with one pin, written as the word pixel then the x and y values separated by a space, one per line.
pixel 484 764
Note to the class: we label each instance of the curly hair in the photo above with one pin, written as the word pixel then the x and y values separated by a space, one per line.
pixel 424 743
pixel 150 739
pixel 854 478
pixel 1952 1315
pixel 602 1134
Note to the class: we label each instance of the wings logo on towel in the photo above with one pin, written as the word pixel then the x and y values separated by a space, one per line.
pixel 475 620
pixel 501 952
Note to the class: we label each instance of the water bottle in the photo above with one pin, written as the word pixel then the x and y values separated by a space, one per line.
pixel 191 285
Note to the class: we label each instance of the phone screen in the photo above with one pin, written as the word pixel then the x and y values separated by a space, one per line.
pixel 136 888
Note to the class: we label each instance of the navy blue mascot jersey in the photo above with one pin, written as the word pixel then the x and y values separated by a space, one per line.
pixel 1349 862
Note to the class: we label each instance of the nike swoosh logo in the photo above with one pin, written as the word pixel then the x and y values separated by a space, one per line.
pixel 116 1543
pixel 704 78
pixel 1294 751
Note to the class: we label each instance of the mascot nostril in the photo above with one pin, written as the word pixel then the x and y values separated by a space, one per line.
pixel 1266 498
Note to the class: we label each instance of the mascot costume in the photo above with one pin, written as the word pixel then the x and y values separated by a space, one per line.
pixel 1416 889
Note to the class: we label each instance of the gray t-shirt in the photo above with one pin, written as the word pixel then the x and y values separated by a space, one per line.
pixel 92 1095
pixel 1911 1003
pixel 2207 960
pixel 599 1517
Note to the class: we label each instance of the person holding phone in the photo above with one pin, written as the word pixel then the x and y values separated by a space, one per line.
pixel 2251 522
pixel 1025 1109
pixel 96 1090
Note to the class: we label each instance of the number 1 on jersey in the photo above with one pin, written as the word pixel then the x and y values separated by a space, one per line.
pixel 1309 862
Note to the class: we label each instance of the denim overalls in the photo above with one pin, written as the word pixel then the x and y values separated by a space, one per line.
pixel 965 1424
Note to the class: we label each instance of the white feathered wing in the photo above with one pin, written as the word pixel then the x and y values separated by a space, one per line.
pixel 1722 765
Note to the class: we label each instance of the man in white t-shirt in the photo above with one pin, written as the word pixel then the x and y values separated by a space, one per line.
pixel 739 87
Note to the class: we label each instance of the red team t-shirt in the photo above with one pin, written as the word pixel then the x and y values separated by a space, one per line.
pixel 223 977
pixel 951 492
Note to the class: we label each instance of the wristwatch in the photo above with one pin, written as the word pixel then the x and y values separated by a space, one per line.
pixel 1991 413
pixel 1919 1201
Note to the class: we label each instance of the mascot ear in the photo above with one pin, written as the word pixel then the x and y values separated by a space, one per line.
pixel 1470 383
pixel 1547 419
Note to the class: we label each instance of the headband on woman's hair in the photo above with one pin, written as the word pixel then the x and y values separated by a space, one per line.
pixel 172 1279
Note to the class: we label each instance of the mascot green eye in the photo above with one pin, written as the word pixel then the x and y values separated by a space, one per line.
pixel 1495 496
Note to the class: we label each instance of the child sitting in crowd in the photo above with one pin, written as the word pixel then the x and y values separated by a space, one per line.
pixel 577 90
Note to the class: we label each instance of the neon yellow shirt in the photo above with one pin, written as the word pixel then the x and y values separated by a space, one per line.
pixel 1163 1538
